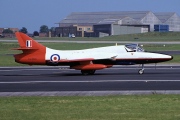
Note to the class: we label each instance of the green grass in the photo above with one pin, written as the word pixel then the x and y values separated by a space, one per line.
pixel 176 59
pixel 150 36
pixel 8 61
pixel 6 48
pixel 78 46
pixel 150 107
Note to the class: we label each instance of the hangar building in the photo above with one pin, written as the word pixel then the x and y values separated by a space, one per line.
pixel 96 24
pixel 171 19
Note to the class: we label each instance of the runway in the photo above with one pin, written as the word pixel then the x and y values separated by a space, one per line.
pixel 61 80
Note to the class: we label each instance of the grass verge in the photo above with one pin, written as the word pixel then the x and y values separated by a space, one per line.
pixel 150 36
pixel 150 107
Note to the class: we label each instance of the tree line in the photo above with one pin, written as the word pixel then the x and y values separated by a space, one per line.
pixel 43 29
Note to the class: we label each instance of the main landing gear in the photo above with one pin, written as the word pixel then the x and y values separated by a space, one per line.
pixel 141 71
pixel 88 72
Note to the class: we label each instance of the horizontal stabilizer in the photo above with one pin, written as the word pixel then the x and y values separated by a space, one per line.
pixel 25 49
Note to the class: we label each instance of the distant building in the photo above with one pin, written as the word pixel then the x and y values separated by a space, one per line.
pixel 43 34
pixel 169 18
pixel 78 31
pixel 14 29
pixel 115 23
pixel 10 35
pixel 1 31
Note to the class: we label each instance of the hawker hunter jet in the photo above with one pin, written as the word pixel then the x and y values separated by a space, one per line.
pixel 86 60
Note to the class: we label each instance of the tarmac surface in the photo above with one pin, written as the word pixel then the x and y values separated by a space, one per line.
pixel 61 81
pixel 119 80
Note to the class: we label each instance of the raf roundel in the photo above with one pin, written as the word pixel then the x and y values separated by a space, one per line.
pixel 55 58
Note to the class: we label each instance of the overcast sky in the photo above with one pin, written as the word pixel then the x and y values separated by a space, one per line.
pixel 34 13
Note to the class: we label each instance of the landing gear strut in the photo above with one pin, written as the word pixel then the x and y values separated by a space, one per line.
pixel 141 71
pixel 88 72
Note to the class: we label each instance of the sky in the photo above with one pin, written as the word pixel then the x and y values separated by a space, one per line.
pixel 34 13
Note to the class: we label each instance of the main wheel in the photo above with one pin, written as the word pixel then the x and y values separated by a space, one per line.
pixel 88 72
pixel 84 72
pixel 141 71
pixel 91 72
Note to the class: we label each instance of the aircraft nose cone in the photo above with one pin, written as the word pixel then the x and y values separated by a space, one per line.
pixel 163 57
pixel 171 57
pixel 168 57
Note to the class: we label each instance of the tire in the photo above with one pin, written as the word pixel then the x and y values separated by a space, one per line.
pixel 141 71
pixel 87 72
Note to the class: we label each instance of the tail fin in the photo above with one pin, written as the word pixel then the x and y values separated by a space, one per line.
pixel 27 43
pixel 33 52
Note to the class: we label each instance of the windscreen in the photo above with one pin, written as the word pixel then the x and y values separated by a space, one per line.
pixel 134 48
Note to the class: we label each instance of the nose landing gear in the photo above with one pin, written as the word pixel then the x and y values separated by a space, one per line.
pixel 141 71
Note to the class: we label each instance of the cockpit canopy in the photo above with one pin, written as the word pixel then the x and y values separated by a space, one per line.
pixel 133 48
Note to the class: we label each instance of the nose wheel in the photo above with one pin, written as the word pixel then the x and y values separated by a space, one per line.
pixel 141 71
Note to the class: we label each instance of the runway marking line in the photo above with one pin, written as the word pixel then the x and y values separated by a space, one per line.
pixel 97 81
pixel 65 68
